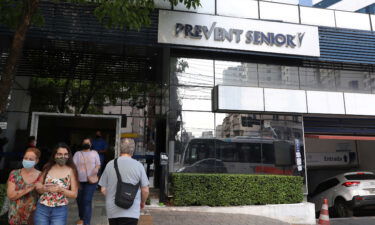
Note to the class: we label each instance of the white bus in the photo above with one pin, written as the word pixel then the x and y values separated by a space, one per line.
pixel 238 155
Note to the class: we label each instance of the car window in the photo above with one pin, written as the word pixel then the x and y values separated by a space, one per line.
pixel 360 177
pixel 326 185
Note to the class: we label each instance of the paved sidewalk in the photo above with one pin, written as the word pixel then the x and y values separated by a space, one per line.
pixel 163 216
pixel 190 218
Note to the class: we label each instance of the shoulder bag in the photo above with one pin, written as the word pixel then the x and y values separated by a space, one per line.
pixel 91 179
pixel 125 192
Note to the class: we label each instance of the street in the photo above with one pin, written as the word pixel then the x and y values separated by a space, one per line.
pixel 353 221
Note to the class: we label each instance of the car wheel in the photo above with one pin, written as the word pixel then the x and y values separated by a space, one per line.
pixel 342 209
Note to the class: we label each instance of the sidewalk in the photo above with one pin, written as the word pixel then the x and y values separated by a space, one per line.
pixel 163 216
pixel 189 218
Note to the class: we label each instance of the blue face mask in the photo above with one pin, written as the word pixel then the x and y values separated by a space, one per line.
pixel 28 164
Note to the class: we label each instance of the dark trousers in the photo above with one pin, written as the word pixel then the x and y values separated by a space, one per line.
pixel 123 221
pixel 84 201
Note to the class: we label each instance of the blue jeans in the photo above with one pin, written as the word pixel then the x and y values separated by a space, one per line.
pixel 84 201
pixel 45 215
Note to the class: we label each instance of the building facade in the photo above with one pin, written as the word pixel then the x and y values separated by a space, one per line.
pixel 264 87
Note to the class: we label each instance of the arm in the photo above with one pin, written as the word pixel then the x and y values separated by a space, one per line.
pixel 144 195
pixel 103 190
pixel 13 194
pixel 73 192
pixel 40 188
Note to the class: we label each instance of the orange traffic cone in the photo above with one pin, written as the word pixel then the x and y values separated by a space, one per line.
pixel 324 215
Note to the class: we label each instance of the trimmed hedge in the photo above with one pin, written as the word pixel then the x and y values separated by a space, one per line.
pixel 235 189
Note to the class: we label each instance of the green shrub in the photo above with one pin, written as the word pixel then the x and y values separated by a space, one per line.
pixel 235 189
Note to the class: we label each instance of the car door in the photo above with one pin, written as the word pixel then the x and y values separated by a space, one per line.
pixel 325 190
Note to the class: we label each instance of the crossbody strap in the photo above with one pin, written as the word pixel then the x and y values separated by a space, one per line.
pixel 117 172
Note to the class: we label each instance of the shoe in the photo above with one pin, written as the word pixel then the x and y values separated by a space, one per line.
pixel 80 222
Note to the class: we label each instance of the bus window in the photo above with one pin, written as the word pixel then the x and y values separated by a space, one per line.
pixel 198 151
pixel 229 152
pixel 249 152
pixel 268 154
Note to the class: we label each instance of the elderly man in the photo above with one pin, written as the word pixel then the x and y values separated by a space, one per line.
pixel 131 171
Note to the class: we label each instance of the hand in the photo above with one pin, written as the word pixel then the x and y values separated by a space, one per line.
pixel 38 185
pixel 52 188
pixel 30 188
pixel 142 205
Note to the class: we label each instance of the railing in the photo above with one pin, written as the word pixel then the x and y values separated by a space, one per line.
pixel 282 12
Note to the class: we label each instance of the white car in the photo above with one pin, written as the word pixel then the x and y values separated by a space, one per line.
pixel 345 193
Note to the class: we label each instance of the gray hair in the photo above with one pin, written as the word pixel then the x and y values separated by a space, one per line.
pixel 127 146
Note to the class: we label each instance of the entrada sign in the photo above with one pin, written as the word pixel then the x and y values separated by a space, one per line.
pixel 252 37
pixel 234 33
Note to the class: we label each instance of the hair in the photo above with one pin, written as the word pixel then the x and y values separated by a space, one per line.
pixel 51 162
pixel 35 151
pixel 127 146
pixel 31 138
pixel 86 138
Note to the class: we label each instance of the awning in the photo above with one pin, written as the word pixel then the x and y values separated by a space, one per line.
pixel 340 137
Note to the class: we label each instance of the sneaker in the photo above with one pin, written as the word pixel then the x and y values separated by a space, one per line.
pixel 80 222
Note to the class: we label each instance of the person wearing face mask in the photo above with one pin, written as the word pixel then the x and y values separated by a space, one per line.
pixel 88 165
pixel 101 146
pixel 58 183
pixel 21 189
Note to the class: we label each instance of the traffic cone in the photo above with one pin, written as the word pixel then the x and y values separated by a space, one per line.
pixel 324 214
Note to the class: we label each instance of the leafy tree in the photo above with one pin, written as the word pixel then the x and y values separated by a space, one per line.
pixel 19 15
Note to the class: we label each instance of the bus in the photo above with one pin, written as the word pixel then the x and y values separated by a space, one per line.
pixel 239 156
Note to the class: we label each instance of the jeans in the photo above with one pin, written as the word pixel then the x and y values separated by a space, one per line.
pixel 45 215
pixel 123 221
pixel 84 201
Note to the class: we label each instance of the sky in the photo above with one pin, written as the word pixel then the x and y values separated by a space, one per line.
pixel 305 2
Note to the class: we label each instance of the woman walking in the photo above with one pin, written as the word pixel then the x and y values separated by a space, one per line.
pixel 21 189
pixel 88 165
pixel 59 182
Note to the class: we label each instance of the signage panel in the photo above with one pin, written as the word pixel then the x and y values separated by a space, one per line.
pixel 328 159
pixel 194 29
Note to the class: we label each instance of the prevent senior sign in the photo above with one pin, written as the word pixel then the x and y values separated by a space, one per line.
pixel 193 29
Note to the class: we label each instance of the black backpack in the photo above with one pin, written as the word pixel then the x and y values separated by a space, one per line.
pixel 125 192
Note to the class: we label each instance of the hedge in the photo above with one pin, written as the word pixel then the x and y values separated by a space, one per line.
pixel 235 189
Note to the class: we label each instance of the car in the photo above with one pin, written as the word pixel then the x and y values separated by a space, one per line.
pixel 345 192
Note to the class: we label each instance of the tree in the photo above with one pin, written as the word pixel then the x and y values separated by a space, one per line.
pixel 19 15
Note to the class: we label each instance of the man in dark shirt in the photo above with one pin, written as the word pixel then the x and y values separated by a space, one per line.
pixel 100 145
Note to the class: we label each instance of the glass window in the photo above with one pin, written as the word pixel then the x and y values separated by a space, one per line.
pixel 278 76
pixel 360 177
pixel 317 79
pixel 268 154
pixel 194 72
pixel 353 81
pixel 236 73
pixel 190 98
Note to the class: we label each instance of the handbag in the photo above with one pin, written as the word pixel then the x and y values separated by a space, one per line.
pixel 125 192
pixel 93 179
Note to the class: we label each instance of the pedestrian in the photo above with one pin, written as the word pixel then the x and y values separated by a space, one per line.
pixel 88 165
pixel 21 189
pixel 31 142
pixel 59 181
pixel 101 146
pixel 131 171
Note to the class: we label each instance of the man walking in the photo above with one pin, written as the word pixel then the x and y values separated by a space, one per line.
pixel 131 171
pixel 100 145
